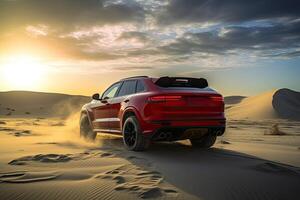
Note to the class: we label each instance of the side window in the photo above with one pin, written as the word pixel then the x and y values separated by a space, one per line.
pixel 128 87
pixel 111 91
pixel 140 86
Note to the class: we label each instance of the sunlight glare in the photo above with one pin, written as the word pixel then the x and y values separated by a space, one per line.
pixel 22 72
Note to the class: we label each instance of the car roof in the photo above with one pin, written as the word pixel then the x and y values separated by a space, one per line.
pixel 134 77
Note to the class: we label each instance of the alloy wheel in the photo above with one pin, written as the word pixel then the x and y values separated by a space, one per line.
pixel 130 132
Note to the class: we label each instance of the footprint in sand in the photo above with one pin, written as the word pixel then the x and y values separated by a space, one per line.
pixel 153 192
pixel 119 179
pixel 7 129
pixel 146 184
pixel 139 160
pixel 50 143
pixel 46 158
pixel 11 174
pixel 16 132
pixel 55 158
pixel 58 124
pixel 27 177
pixel 270 167
pixel 224 142
pixel 22 133
pixel 106 154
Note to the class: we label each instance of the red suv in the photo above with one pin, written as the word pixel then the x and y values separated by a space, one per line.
pixel 145 109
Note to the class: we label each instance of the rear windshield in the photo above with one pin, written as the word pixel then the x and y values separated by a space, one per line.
pixel 181 82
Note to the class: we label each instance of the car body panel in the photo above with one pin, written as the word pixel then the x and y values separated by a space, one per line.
pixel 101 113
pixel 116 105
pixel 195 108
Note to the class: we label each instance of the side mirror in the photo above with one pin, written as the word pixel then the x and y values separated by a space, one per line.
pixel 96 96
pixel 104 100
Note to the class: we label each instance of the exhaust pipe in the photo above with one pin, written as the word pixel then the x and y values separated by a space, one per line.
pixel 164 136
pixel 168 136
pixel 218 132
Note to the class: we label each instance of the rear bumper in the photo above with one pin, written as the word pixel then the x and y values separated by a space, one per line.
pixel 182 133
pixel 201 122
pixel 183 129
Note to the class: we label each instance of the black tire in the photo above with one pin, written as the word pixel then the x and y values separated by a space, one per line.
pixel 85 129
pixel 205 142
pixel 133 138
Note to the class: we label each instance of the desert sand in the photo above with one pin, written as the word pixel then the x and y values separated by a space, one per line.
pixel 44 158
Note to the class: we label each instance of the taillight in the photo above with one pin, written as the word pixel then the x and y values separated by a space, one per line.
pixel 217 98
pixel 164 98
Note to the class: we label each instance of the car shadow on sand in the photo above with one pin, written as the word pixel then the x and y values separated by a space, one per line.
pixel 213 173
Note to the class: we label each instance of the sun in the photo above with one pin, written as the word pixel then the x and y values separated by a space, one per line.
pixel 22 72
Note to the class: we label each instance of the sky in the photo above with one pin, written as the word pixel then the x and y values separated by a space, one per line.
pixel 83 46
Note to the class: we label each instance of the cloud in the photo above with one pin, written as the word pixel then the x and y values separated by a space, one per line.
pixel 195 11
pixel 230 39
pixel 132 68
pixel 124 33
pixel 63 14
pixel 54 47
pixel 134 35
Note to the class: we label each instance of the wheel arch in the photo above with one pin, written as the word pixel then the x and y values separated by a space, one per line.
pixel 88 114
pixel 130 111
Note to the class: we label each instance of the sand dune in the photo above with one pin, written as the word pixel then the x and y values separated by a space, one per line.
pixel 38 104
pixel 286 102
pixel 256 107
pixel 233 99
pixel 280 104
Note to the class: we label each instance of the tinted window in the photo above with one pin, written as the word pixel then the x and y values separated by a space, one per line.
pixel 128 87
pixel 111 91
pixel 181 82
pixel 140 86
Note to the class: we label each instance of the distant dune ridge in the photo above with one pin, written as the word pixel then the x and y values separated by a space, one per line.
pixel 39 104
pixel 233 99
pixel 286 102
pixel 283 103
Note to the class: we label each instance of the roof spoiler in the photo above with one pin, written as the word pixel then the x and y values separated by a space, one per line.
pixel 167 81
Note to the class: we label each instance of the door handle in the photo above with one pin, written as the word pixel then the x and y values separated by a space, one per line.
pixel 126 100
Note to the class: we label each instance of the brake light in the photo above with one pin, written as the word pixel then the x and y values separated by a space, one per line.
pixel 164 98
pixel 217 98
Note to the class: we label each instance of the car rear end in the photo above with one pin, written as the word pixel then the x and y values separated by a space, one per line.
pixel 183 108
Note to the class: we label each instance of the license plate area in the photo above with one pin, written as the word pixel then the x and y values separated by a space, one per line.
pixel 198 101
